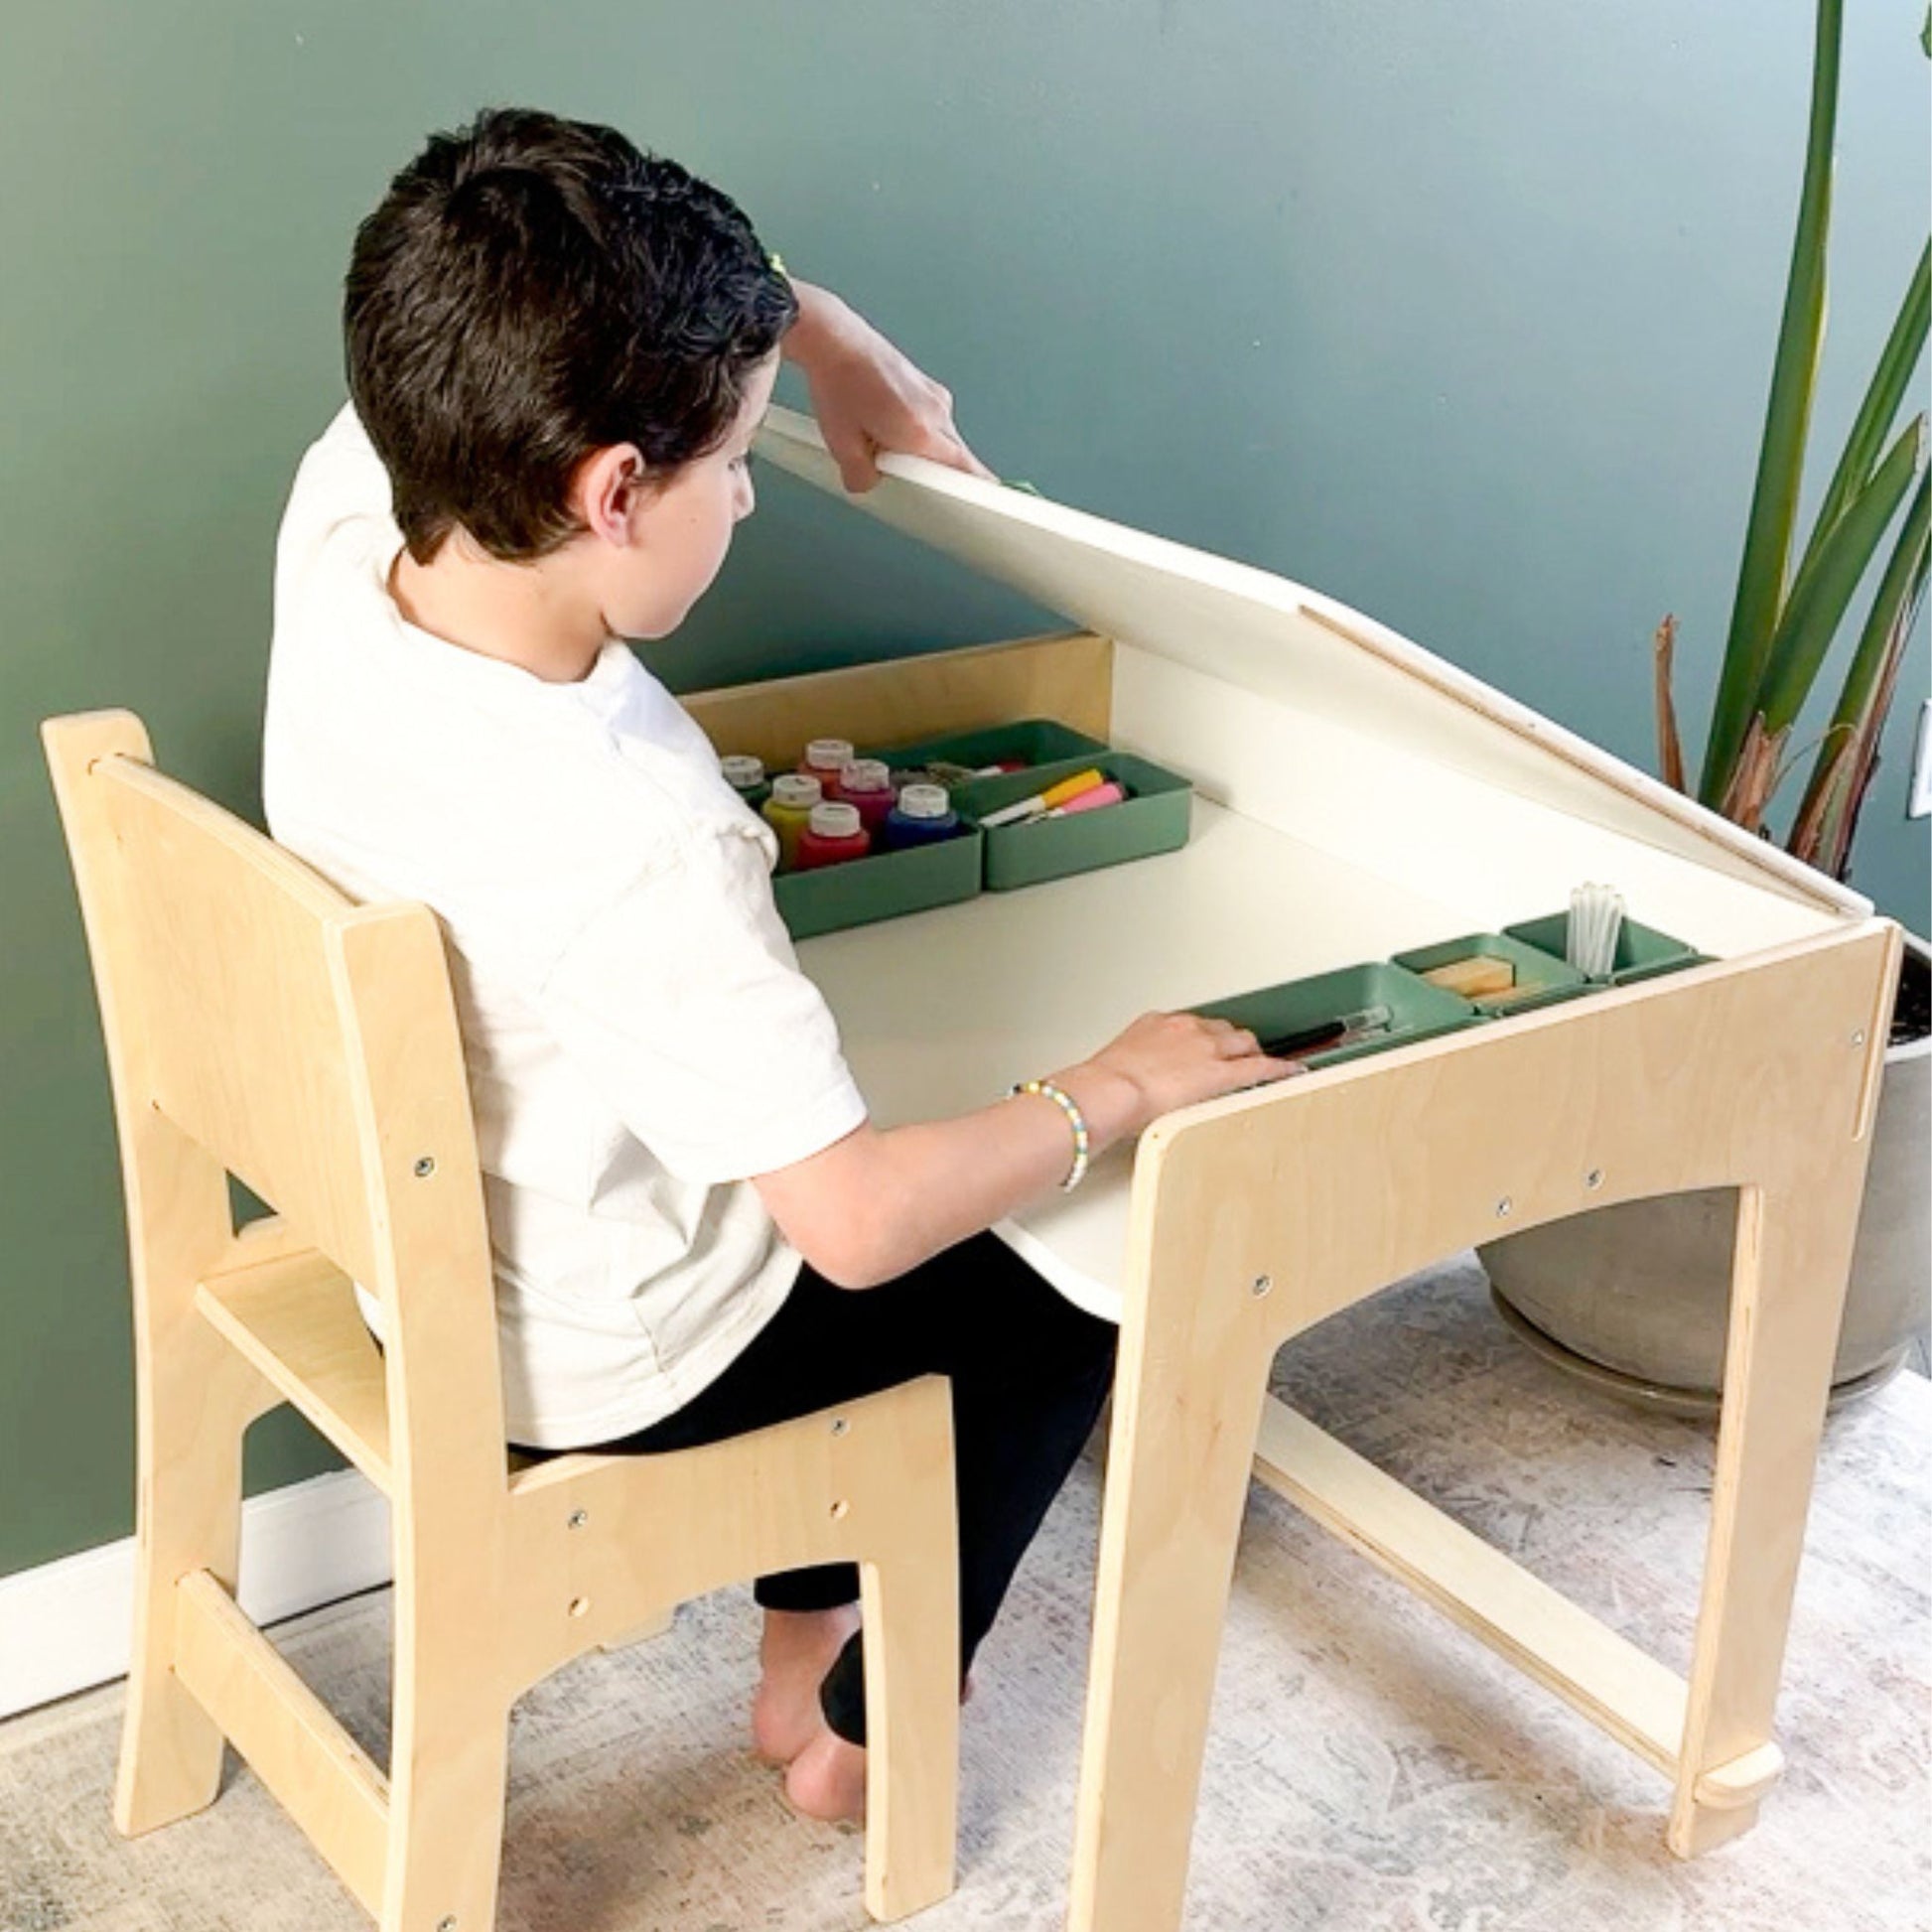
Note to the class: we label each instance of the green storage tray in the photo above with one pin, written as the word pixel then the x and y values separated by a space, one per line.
pixel 1418 1010
pixel 885 885
pixel 1555 977
pixel 1642 952
pixel 1153 818
pixel 1038 741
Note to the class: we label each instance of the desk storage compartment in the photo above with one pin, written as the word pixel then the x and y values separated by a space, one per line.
pixel 882 886
pixel 1642 952
pixel 1033 741
pixel 1416 1010
pixel 1153 818
pixel 1542 978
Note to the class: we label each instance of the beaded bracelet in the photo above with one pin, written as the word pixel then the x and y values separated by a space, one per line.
pixel 1075 1119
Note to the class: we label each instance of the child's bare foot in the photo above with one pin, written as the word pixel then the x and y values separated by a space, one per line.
pixel 797 1649
pixel 827 1779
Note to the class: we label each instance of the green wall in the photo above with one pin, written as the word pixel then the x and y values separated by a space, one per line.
pixel 1461 313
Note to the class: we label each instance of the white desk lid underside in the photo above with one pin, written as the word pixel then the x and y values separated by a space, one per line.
pixel 1299 650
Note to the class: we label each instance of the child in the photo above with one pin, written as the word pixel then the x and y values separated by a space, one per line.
pixel 559 350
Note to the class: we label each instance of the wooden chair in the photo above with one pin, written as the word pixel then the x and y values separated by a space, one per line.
pixel 260 1024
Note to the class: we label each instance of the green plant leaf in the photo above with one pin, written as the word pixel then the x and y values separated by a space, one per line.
pixel 1875 418
pixel 1859 716
pixel 1780 463
pixel 1823 591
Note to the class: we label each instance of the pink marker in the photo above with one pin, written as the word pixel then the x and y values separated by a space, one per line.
pixel 1110 794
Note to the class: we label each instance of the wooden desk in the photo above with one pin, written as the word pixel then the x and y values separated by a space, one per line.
pixel 1358 797
pixel 1250 1219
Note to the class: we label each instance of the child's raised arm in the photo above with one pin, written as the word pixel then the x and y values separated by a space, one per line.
pixel 867 395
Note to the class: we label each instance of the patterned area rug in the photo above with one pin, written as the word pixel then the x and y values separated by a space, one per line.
pixel 1371 1769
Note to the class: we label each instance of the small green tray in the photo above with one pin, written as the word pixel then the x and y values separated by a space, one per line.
pixel 884 886
pixel 1642 952
pixel 1555 979
pixel 1417 1011
pixel 1153 818
pixel 1037 740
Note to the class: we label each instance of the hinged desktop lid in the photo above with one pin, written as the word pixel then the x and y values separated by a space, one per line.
pixel 1264 634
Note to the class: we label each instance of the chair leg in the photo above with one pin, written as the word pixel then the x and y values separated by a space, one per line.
pixel 200 1402
pixel 449 1766
pixel 911 1604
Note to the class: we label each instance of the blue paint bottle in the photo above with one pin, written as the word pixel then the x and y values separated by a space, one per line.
pixel 922 816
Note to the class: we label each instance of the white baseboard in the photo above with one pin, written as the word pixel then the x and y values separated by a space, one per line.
pixel 67 1626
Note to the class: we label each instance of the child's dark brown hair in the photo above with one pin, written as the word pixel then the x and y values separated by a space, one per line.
pixel 530 290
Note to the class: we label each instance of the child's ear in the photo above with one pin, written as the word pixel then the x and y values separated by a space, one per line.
pixel 609 486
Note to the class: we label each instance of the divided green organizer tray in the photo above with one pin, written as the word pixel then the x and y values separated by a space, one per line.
pixel 1417 1011
pixel 1037 740
pixel 1642 952
pixel 1554 978
pixel 1153 818
pixel 882 886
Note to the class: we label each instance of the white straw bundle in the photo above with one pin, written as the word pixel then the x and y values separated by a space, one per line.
pixel 1595 919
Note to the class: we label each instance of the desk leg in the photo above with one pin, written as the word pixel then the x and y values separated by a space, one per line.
pixel 1182 1449
pixel 1794 1254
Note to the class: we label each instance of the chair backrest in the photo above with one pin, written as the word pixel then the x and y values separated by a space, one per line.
pixel 262 1023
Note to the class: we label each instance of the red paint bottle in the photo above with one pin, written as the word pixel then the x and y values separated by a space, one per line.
pixel 836 833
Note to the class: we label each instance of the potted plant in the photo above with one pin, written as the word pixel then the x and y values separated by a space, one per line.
pixel 1636 1297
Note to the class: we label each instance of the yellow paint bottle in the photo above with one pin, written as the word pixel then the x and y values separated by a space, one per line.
pixel 789 811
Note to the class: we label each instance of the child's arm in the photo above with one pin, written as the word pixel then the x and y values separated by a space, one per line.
pixel 876 1203
pixel 867 396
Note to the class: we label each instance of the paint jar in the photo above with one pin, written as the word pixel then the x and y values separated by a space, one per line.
pixel 825 758
pixel 834 834
pixel 745 776
pixel 789 811
pixel 867 783
pixel 922 816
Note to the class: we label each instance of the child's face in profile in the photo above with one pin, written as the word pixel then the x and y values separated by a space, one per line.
pixel 681 530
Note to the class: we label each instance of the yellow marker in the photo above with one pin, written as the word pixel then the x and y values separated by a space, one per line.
pixel 1044 801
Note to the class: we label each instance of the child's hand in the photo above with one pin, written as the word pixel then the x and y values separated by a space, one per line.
pixel 868 397
pixel 1173 1059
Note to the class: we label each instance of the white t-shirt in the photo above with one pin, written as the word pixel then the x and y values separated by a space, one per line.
pixel 639 1035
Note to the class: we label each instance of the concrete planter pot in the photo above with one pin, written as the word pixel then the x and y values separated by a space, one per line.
pixel 1634 1298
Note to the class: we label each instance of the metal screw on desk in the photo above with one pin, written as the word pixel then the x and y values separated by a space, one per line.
pixel 446 1924
pixel 1504 1205
pixel 1263 1283
pixel 1594 1179
pixel 577 1518
pixel 1858 1039
pixel 840 1424
pixel 424 1169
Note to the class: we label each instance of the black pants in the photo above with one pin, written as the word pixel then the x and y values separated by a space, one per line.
pixel 1029 1371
